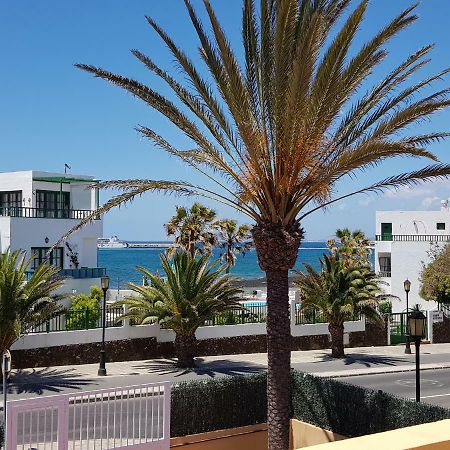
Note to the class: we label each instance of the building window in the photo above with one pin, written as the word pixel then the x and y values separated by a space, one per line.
pixel 10 199
pixel 386 231
pixel 385 266
pixel 53 204
pixel 440 226
pixel 39 254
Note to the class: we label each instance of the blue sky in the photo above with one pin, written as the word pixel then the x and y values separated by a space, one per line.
pixel 52 113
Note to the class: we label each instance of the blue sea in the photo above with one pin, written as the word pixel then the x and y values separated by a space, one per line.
pixel 121 263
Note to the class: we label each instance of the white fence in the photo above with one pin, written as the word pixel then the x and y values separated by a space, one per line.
pixel 135 417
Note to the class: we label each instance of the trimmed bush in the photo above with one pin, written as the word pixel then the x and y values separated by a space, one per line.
pixel 346 409
pixel 353 411
pixel 218 404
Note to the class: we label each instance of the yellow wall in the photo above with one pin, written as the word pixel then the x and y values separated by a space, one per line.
pixel 304 435
pixel 253 437
pixel 430 436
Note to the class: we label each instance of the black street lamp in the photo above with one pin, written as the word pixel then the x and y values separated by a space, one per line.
pixel 407 287
pixel 105 287
pixel 416 326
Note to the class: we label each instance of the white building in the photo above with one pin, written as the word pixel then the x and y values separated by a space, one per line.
pixel 37 208
pixel 403 240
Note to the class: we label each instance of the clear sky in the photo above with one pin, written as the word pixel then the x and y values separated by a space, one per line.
pixel 52 113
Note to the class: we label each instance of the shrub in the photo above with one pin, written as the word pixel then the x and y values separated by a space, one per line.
pixel 349 410
pixel 84 311
pixel 352 411
pixel 228 402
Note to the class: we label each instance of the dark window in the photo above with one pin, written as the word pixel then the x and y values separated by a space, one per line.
pixel 440 226
pixel 9 199
pixel 53 204
pixel 385 265
pixel 39 254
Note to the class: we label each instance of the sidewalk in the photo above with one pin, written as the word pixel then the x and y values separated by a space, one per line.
pixel 359 361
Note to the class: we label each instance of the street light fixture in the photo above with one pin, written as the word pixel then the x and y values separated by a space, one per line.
pixel 407 287
pixel 416 326
pixel 105 287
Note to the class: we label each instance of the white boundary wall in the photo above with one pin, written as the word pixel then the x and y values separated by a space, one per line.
pixel 42 340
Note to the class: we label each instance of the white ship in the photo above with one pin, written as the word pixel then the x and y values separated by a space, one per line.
pixel 112 242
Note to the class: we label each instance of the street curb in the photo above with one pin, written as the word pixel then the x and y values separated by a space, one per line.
pixel 347 374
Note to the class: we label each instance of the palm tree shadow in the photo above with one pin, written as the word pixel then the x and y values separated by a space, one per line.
pixel 37 381
pixel 208 368
pixel 364 360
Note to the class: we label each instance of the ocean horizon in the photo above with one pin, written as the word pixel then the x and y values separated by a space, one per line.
pixel 121 263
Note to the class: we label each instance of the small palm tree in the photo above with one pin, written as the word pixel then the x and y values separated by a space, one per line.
pixel 233 239
pixel 340 293
pixel 353 247
pixel 25 304
pixel 192 292
pixel 192 229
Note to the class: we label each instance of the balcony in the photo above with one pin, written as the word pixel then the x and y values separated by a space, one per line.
pixel 84 272
pixel 413 237
pixel 44 213
pixel 384 274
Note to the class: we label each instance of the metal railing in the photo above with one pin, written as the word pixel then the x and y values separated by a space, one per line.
pixel 250 314
pixel 384 274
pixel 122 417
pixel 44 213
pixel 303 317
pixel 310 317
pixel 84 272
pixel 413 237
pixel 81 319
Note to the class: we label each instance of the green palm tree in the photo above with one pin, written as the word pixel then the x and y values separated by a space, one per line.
pixel 274 134
pixel 25 304
pixel 233 240
pixel 192 292
pixel 353 247
pixel 339 293
pixel 192 229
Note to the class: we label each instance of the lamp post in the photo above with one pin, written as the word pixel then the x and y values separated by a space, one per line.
pixel 407 287
pixel 105 287
pixel 416 326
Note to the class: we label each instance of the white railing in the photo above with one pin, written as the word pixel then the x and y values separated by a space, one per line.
pixel 134 417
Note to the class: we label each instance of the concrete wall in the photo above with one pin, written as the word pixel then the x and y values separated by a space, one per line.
pixel 407 258
pixel 305 435
pixel 413 222
pixel 26 233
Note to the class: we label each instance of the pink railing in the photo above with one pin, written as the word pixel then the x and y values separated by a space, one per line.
pixel 134 417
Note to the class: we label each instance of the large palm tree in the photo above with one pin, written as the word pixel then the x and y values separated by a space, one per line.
pixel 233 239
pixel 192 229
pixel 25 304
pixel 274 134
pixel 192 292
pixel 339 293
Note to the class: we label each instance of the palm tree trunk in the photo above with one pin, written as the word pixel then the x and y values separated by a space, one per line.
pixel 185 350
pixel 278 359
pixel 277 249
pixel 336 330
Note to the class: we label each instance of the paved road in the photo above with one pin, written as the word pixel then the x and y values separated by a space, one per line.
pixel 435 385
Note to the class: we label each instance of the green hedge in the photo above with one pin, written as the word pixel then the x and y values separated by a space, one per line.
pixel 355 411
pixel 228 402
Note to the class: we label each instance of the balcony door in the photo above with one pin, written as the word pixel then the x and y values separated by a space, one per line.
pixel 386 231
pixel 52 204
pixel 10 203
